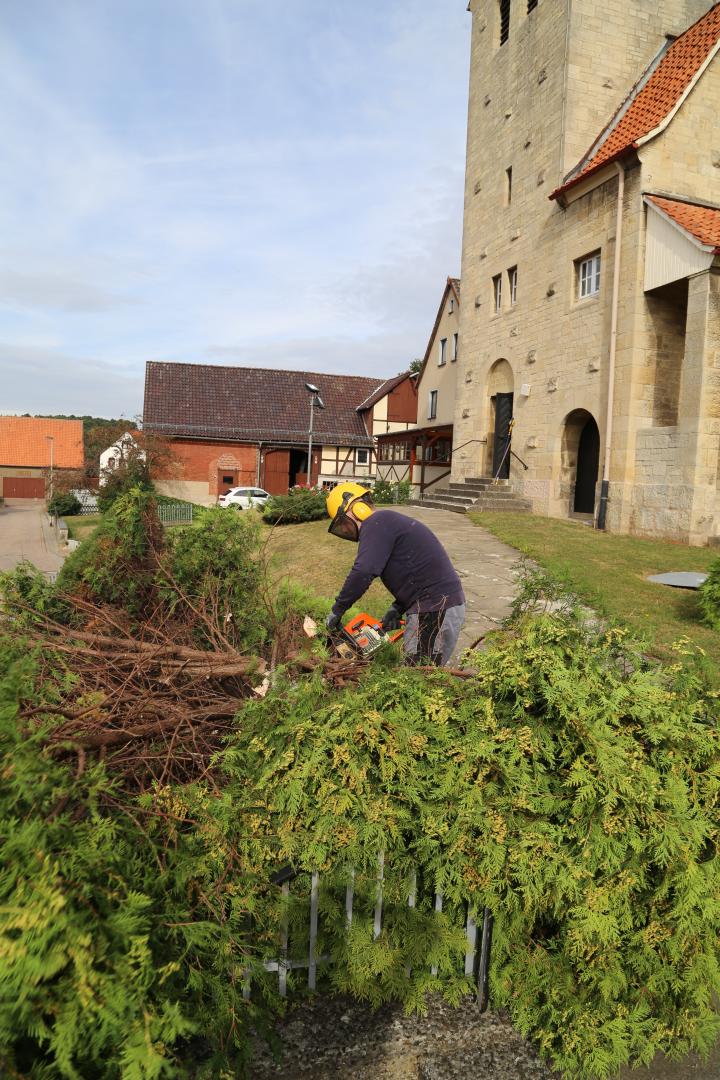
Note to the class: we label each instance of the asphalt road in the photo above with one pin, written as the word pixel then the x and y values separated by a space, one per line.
pixel 25 534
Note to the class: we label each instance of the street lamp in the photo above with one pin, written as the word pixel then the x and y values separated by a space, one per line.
pixel 51 440
pixel 315 399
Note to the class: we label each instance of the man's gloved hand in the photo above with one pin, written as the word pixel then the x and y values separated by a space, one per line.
pixel 391 620
pixel 333 621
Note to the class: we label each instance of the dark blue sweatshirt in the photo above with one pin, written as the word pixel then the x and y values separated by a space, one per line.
pixel 409 560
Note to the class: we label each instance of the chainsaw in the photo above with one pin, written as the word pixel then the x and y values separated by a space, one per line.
pixel 362 636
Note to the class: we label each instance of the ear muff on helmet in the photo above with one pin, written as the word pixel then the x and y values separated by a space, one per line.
pixel 362 508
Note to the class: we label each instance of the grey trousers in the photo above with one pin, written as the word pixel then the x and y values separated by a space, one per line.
pixel 431 636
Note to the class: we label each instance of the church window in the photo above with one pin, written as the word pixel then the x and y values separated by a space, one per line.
pixel 588 276
pixel 497 293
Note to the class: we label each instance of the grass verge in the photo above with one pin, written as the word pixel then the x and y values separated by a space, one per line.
pixel 307 554
pixel 609 572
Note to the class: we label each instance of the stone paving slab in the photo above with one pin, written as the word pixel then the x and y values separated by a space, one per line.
pixel 487 568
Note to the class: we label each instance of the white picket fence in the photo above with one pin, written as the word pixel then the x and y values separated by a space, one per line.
pixel 477 953
pixel 175 513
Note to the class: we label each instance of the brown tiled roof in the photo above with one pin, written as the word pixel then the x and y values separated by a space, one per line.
pixel 24 442
pixel 653 98
pixel 702 222
pixel 242 404
pixel 384 389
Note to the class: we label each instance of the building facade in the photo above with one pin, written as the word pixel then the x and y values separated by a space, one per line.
pixel 232 427
pixel 590 330
pixel 422 454
pixel 34 451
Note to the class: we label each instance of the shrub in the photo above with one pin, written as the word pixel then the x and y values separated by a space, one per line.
pixel 709 597
pixel 300 504
pixel 64 505
pixel 567 786
pixel 123 931
pixel 217 565
pixel 385 492
pixel 118 563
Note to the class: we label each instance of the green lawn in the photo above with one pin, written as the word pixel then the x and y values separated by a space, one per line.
pixel 309 555
pixel 609 572
pixel 80 526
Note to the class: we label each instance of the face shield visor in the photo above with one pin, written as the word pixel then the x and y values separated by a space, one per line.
pixel 345 526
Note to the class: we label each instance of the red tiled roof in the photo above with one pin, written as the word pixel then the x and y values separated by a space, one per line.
pixel 384 389
pixel 24 442
pixel 702 222
pixel 654 97
pixel 211 402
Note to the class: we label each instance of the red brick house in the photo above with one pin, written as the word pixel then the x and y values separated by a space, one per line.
pixel 30 446
pixel 235 426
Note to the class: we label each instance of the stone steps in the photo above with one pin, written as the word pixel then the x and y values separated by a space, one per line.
pixel 475 493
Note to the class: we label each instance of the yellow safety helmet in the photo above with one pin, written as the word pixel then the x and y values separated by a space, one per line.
pixel 342 498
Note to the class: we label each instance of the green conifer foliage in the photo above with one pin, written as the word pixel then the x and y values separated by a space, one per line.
pixel 568 787
pixel 122 927
pixel 709 597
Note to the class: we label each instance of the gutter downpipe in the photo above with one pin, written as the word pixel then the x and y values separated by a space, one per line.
pixel 605 486
pixel 259 463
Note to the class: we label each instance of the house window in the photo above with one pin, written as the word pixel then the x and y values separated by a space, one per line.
pixel 432 405
pixel 588 276
pixel 504 6
pixel 532 4
pixel 508 185
pixel 362 456
pixel 443 352
pixel 451 305
pixel 455 347
pixel 228 479
pixel 497 293
pixel 512 282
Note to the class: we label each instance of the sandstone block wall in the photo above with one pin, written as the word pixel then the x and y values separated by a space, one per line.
pixel 536 105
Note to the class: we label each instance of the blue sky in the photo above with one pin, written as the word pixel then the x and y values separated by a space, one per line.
pixel 223 181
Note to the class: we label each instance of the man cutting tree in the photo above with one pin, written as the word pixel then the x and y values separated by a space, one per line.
pixel 412 565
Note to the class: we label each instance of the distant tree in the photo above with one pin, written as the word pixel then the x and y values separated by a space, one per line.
pixel 148 455
pixel 415 366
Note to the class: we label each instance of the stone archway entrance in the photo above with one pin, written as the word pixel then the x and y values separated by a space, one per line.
pixel 580 461
pixel 587 468
pixel 500 392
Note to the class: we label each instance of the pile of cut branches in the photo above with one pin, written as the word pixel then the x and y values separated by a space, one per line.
pixel 152 707
pixel 147 649
pixel 149 703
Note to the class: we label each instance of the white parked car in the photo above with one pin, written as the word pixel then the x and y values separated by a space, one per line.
pixel 242 498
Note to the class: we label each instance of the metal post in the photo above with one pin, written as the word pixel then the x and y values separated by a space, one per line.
pixel 51 440
pixel 309 465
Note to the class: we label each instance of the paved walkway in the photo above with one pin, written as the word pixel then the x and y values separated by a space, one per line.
pixel 25 534
pixel 486 566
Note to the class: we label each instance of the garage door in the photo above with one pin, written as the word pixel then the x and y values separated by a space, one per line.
pixel 23 487
pixel 276 472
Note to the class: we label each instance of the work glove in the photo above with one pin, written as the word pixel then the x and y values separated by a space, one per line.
pixel 333 621
pixel 391 620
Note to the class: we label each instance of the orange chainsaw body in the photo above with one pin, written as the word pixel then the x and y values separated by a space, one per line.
pixel 364 635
